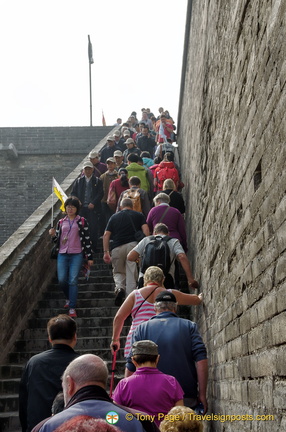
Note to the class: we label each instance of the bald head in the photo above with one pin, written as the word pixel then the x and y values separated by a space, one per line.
pixel 126 202
pixel 85 370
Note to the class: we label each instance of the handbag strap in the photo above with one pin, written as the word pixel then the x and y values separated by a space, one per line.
pixel 99 172
pixel 135 230
pixel 144 302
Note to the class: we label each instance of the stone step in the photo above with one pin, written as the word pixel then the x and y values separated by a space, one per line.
pixel 96 271
pixel 99 264
pixel 105 353
pixel 87 286
pixel 39 322
pixel 96 279
pixel 11 371
pixel 9 421
pixel 9 402
pixel 94 312
pixel 41 333
pixel 81 303
pixel 89 342
pixel 82 294
pixel 9 385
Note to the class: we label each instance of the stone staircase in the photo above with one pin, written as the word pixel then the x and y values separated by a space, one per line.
pixel 95 309
pixel 95 316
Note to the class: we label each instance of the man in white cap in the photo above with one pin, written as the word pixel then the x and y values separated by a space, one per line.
pixel 108 150
pixel 119 141
pixel 89 190
pixel 99 167
pixel 118 156
pixel 131 148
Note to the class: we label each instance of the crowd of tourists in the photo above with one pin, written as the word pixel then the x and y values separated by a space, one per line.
pixel 128 196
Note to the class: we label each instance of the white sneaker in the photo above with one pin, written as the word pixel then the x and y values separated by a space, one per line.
pixel 72 313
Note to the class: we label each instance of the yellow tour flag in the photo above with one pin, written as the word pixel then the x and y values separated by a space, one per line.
pixel 59 193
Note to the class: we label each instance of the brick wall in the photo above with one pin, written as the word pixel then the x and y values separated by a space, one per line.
pixel 42 153
pixel 25 271
pixel 232 142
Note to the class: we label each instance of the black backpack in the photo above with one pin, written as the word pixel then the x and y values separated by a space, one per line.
pixel 157 253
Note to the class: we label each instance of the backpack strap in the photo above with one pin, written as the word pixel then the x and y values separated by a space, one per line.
pixel 166 238
pixel 164 214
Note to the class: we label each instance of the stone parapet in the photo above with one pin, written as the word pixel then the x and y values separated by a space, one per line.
pixel 25 265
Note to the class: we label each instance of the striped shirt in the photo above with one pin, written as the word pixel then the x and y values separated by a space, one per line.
pixel 145 312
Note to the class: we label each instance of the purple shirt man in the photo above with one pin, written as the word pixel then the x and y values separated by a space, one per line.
pixel 148 389
pixel 170 216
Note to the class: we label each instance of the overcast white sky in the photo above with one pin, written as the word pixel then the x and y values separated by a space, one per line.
pixel 137 50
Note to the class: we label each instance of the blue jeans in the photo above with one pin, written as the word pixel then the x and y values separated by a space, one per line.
pixel 68 266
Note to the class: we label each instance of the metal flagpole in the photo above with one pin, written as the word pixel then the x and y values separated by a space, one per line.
pixel 90 58
pixel 52 216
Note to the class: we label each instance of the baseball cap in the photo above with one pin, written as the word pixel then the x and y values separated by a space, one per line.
pixel 117 153
pixel 145 347
pixel 93 154
pixel 110 138
pixel 166 296
pixel 129 141
pixel 87 164
pixel 111 159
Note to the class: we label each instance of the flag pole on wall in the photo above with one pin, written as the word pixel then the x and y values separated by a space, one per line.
pixel 90 61
pixel 103 119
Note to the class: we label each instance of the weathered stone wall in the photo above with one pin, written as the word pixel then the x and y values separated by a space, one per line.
pixel 232 143
pixel 39 154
